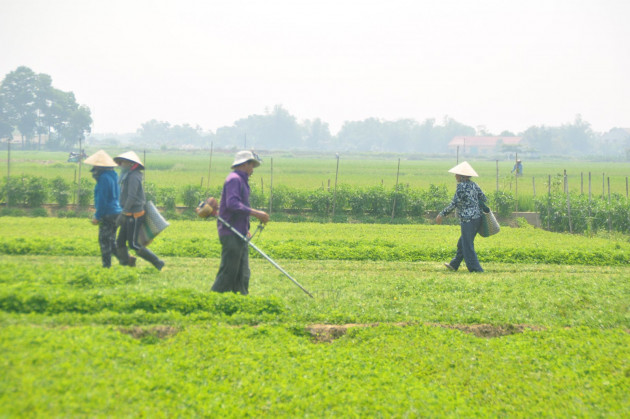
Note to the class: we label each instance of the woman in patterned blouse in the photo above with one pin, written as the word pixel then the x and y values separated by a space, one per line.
pixel 467 200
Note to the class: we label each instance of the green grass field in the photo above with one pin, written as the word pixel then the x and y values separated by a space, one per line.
pixel 545 331
pixel 178 169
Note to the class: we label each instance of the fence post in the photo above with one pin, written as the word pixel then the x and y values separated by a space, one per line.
pixel 566 182
pixel 79 181
pixel 564 186
pixel 609 218
pixel 603 185
pixel 8 167
pixel 210 164
pixel 548 201
pixel 396 190
pixel 497 161
pixel 8 159
pixel 335 191
pixel 534 185
pixel 516 192
pixel 589 194
pixel 271 187
pixel 144 160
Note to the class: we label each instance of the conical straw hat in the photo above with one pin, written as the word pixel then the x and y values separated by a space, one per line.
pixel 131 156
pixel 464 169
pixel 101 159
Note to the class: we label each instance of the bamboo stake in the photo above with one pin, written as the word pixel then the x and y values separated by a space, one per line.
pixel 396 190
pixel 271 188
pixel 548 201
pixel 497 165
pixel 534 185
pixel 210 166
pixel 609 218
pixel 566 182
pixel 589 194
pixel 335 191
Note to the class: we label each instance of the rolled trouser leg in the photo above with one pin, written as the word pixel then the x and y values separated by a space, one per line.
pixel 150 257
pixel 123 255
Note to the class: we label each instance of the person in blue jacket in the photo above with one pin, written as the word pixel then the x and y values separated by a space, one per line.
pixel 106 195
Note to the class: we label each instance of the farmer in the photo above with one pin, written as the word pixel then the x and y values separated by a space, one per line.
pixel 467 200
pixel 106 193
pixel 234 208
pixel 132 217
pixel 518 168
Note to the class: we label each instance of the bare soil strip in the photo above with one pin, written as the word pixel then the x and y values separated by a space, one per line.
pixel 330 332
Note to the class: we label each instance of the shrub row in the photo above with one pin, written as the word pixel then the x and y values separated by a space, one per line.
pixel 586 215
pixel 32 191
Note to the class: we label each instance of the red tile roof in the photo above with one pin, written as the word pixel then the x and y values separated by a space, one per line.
pixel 483 141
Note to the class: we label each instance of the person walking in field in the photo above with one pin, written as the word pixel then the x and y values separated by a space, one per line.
pixel 106 194
pixel 468 200
pixel 518 168
pixel 132 201
pixel 234 207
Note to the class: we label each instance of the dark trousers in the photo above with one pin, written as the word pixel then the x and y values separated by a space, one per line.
pixel 466 246
pixel 234 271
pixel 107 238
pixel 128 234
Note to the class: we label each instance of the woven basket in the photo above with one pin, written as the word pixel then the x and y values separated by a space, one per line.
pixel 153 224
pixel 489 224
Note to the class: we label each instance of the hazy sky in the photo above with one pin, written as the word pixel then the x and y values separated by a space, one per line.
pixel 503 64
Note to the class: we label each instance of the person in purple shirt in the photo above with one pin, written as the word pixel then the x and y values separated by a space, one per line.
pixel 234 207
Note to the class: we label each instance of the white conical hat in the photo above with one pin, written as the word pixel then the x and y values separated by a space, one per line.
pixel 464 169
pixel 131 156
pixel 101 159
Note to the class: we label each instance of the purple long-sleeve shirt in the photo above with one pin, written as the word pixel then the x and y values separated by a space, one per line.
pixel 234 206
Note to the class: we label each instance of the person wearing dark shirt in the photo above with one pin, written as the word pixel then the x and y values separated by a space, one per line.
pixel 468 200
pixel 234 208
pixel 106 194
pixel 132 201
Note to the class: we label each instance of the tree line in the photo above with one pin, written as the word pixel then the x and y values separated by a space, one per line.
pixel 279 130
pixel 32 106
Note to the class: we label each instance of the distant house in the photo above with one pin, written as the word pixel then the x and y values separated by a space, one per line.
pixel 475 145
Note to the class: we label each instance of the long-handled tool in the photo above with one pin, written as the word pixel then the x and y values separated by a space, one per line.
pixel 209 208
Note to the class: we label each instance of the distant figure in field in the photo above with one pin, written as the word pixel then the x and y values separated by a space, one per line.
pixel 468 200
pixel 106 195
pixel 233 275
pixel 518 168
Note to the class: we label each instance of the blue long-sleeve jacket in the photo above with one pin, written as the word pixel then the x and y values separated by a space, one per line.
pixel 107 194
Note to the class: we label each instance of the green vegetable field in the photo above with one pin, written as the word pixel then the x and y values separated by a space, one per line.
pixel 545 331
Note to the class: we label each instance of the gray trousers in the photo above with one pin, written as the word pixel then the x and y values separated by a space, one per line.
pixel 233 275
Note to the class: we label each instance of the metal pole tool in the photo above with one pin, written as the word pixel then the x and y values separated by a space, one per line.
pixel 201 211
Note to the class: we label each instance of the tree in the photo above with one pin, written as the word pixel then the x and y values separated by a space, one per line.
pixel 316 135
pixel 19 92
pixel 31 104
